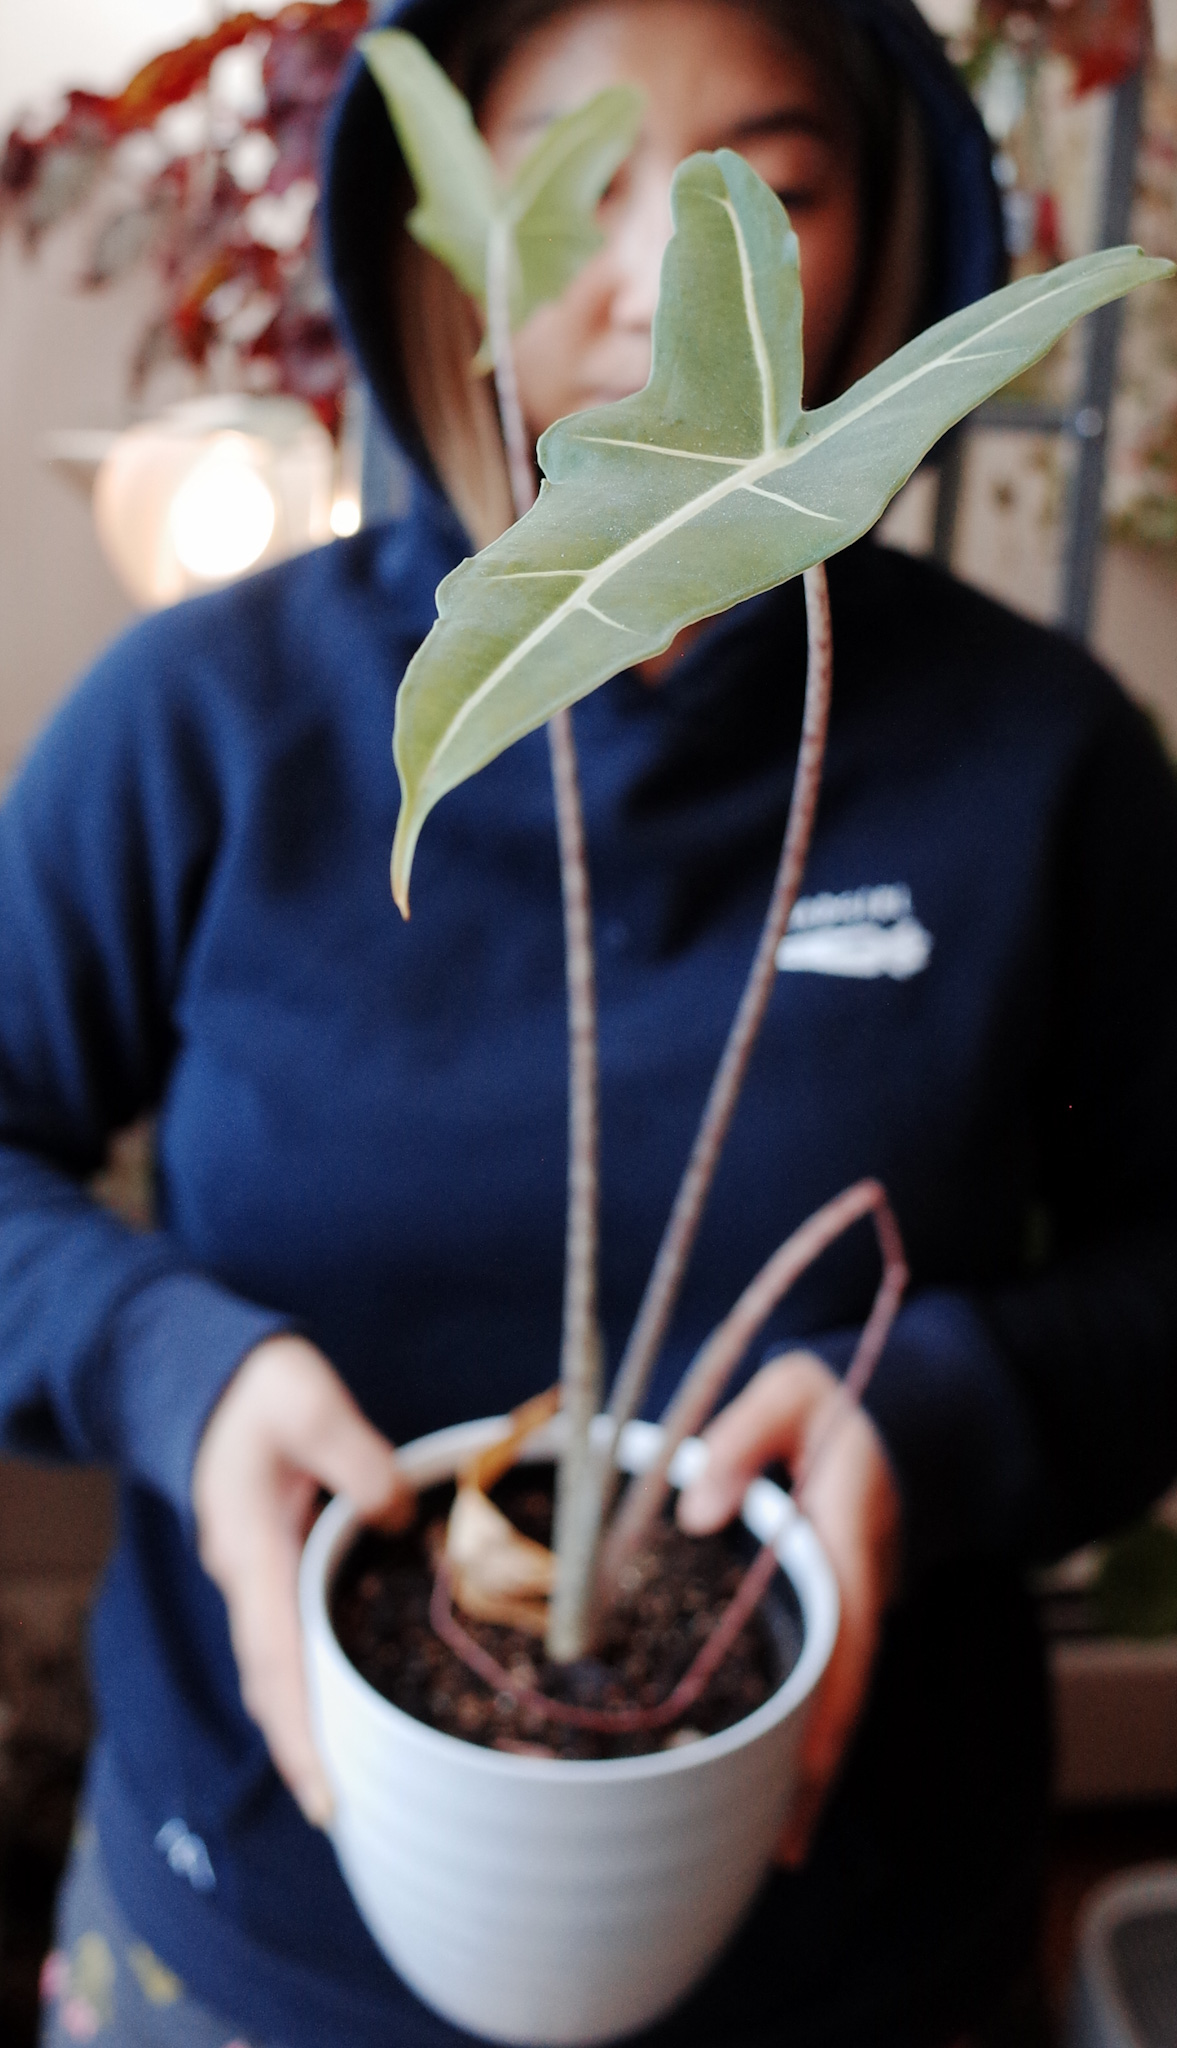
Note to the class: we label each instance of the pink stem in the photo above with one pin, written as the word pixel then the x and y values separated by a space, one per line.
pixel 609 1720
pixel 712 1367
pixel 697 1395
pixel 662 1290
pixel 871 1342
pixel 520 462
pixel 678 1238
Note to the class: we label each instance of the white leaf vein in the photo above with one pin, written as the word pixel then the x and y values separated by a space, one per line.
pixel 768 396
pixel 657 448
pixel 597 613
pixel 530 575
pixel 778 498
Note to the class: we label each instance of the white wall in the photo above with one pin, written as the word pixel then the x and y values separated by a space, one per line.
pixel 64 362
pixel 98 43
pixel 46 45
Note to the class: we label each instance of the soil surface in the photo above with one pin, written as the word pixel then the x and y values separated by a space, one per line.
pixel 677 1591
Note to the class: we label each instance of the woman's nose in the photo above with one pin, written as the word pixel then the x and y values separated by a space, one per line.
pixel 636 249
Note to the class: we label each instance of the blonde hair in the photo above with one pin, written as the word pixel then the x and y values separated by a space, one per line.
pixel 453 403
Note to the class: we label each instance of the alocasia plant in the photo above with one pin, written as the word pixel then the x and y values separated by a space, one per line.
pixel 512 244
pixel 708 486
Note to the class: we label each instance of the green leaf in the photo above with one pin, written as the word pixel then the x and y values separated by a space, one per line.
pixel 546 211
pixel 709 485
pixel 457 186
pixel 550 205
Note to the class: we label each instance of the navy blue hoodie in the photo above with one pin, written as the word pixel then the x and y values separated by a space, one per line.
pixel 361 1134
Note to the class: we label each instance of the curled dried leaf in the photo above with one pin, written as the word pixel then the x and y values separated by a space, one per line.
pixel 497 1573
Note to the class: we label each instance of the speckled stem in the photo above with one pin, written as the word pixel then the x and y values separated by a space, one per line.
pixel 579 1483
pixel 678 1240
pixel 705 1379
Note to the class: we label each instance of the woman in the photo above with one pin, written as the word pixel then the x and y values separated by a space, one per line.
pixel 361 1124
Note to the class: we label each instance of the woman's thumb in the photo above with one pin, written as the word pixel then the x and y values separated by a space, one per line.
pixel 766 1421
pixel 712 1500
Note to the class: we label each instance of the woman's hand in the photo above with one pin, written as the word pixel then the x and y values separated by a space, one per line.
pixel 795 1410
pixel 284 1426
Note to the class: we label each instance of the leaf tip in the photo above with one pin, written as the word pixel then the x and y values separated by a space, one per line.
pixel 400 893
pixel 403 847
pixel 378 44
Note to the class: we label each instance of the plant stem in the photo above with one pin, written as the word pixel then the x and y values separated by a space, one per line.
pixel 520 463
pixel 707 1376
pixel 678 1239
pixel 577 1520
pixel 577 1514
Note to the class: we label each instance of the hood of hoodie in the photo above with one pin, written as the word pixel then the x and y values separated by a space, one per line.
pixel 367 192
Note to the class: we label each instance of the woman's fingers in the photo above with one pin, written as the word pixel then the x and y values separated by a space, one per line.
pixel 795 1410
pixel 833 1717
pixel 853 1518
pixel 285 1426
pixel 286 1406
pixel 260 1586
pixel 769 1420
pixel 326 1434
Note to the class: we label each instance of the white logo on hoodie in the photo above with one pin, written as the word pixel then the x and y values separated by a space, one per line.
pixel 860 933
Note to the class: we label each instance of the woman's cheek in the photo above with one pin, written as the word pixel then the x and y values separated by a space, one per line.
pixel 544 362
pixel 828 244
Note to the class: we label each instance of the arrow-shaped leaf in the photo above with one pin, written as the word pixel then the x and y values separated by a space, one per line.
pixel 545 214
pixel 706 487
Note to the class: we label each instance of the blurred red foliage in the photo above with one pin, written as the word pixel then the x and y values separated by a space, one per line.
pixel 241 290
pixel 1104 39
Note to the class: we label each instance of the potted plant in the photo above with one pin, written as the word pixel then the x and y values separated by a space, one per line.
pixel 531 1898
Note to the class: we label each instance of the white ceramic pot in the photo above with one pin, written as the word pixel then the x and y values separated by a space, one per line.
pixel 528 1899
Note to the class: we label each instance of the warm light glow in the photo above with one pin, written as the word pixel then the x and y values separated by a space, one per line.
pixel 213 489
pixel 345 517
pixel 223 516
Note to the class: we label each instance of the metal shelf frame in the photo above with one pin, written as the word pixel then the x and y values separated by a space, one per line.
pixel 1086 422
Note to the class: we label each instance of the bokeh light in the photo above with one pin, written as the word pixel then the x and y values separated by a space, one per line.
pixel 223 516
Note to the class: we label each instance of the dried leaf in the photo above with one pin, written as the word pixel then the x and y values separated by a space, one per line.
pixel 496 1572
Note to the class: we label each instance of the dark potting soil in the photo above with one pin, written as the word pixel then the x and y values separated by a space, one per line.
pixel 677 1591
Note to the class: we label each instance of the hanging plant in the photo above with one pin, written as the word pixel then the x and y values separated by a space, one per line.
pixel 1105 40
pixel 205 167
